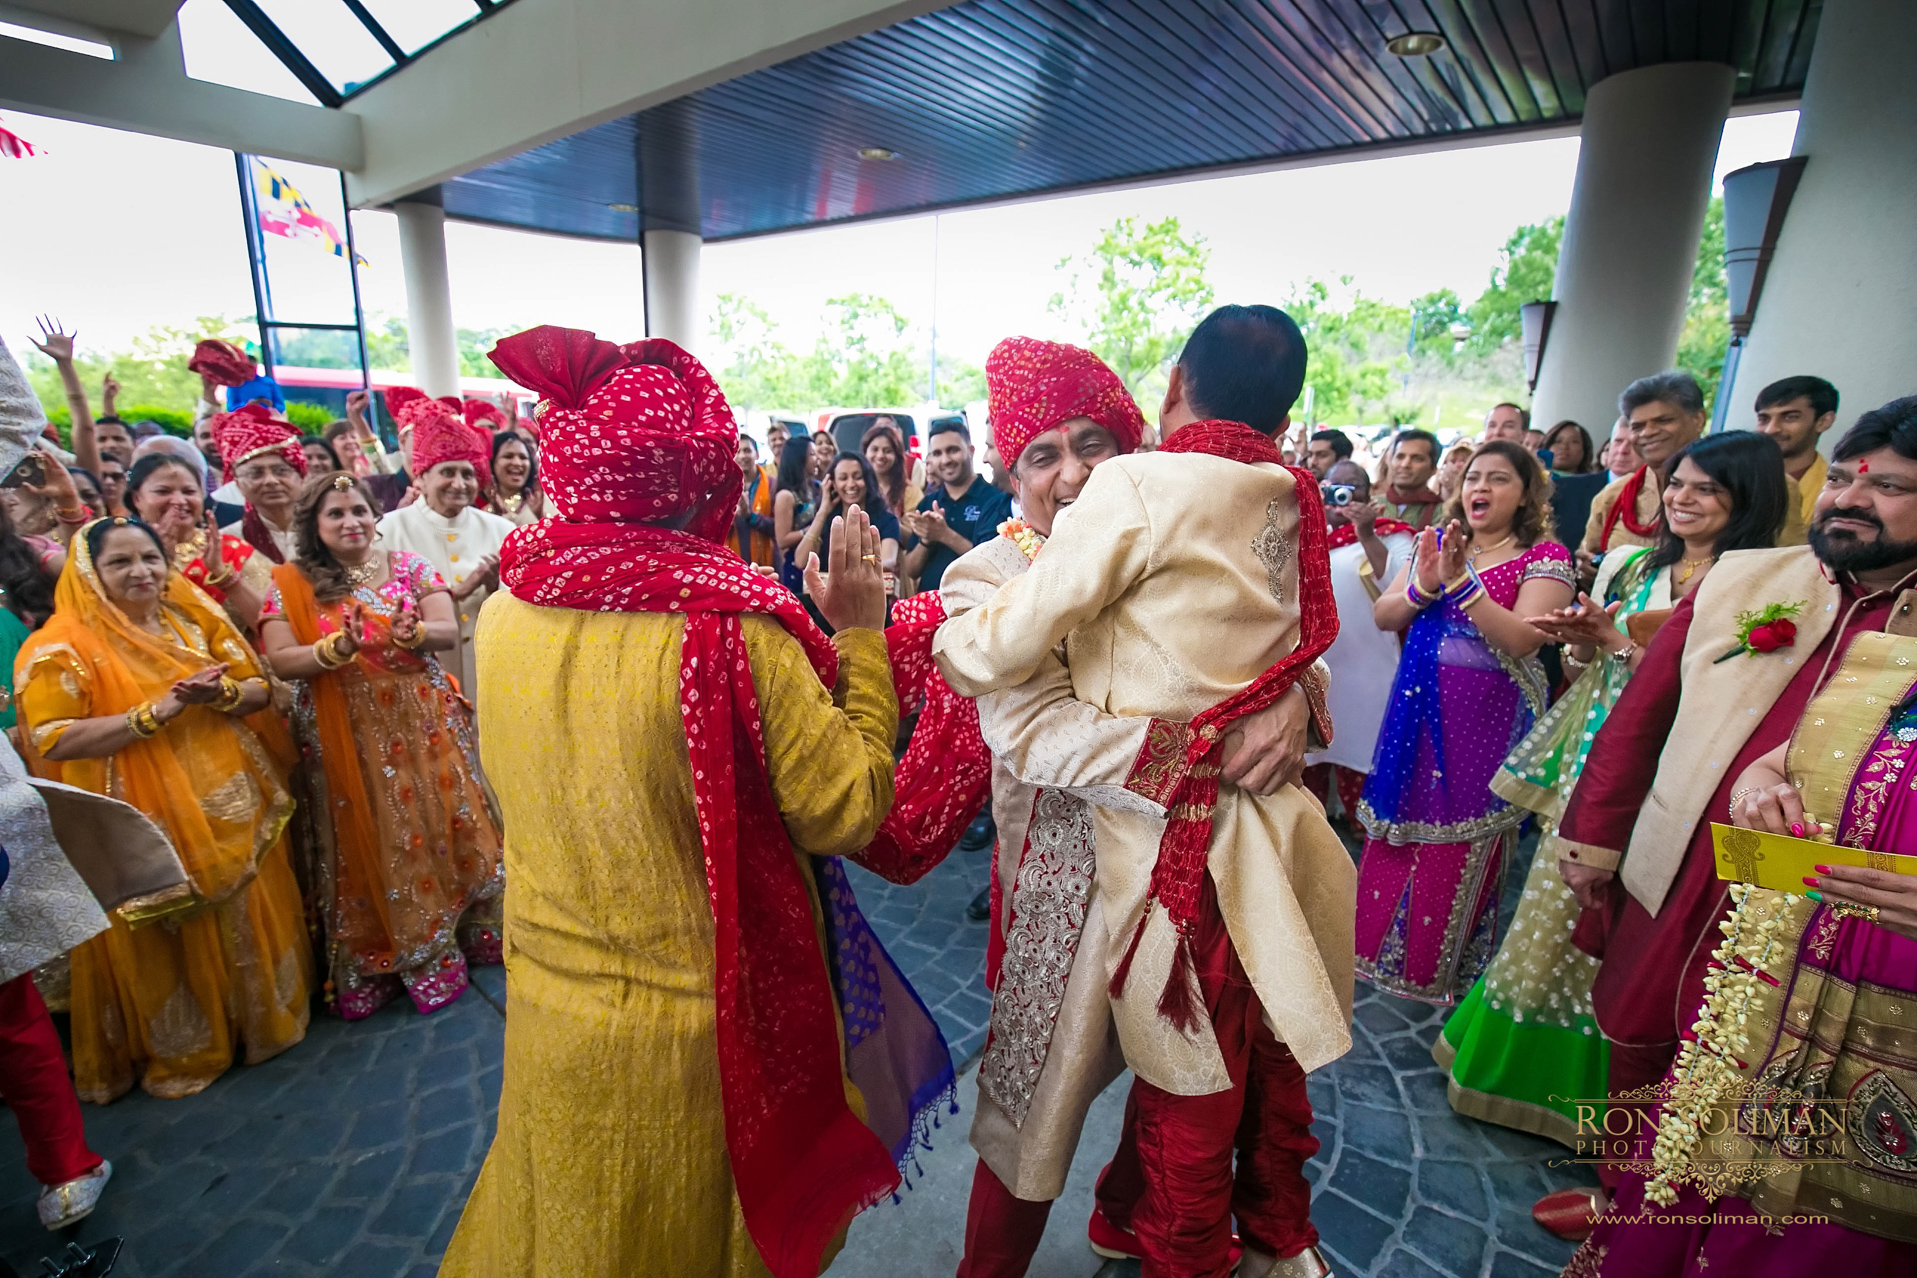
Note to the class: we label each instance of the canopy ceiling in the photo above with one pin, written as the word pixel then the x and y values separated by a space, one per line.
pixel 995 99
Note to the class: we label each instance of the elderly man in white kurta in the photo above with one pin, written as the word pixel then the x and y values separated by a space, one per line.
pixel 443 526
pixel 1367 550
pixel 1174 583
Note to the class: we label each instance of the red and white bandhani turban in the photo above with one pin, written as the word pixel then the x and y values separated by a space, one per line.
pixel 440 434
pixel 246 433
pixel 223 362
pixel 398 397
pixel 634 433
pixel 1031 386
pixel 479 412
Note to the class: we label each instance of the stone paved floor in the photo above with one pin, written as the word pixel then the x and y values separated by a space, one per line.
pixel 352 1154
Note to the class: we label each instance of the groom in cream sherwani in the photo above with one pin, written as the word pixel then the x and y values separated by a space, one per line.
pixel 1174 585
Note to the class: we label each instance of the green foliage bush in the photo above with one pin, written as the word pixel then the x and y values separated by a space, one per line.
pixel 310 418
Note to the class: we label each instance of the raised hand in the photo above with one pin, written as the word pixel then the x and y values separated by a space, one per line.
pixel 1428 569
pixel 109 391
pixel 853 595
pixel 58 345
pixel 406 624
pixel 1451 548
pixel 352 629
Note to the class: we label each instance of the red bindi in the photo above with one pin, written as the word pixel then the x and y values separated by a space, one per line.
pixel 1863 468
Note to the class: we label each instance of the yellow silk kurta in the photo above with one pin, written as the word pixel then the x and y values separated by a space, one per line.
pixel 611 1153
pixel 1173 583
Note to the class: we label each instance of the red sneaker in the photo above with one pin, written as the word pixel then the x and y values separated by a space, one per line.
pixel 1571 1214
pixel 1113 1243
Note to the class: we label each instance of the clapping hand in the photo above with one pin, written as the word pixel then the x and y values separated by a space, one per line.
pixel 1440 557
pixel 406 624
pixel 58 345
pixel 1585 624
pixel 202 688
pixel 352 631
pixel 932 526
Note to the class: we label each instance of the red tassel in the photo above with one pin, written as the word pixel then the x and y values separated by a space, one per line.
pixel 1175 1004
pixel 1117 988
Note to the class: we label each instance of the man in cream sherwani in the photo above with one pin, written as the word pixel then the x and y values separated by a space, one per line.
pixel 1173 583
pixel 1058 412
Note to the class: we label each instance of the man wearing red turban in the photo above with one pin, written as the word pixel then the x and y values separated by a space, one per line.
pixel 1057 413
pixel 449 467
pixel 261 453
pixel 662 729
pixel 1189 590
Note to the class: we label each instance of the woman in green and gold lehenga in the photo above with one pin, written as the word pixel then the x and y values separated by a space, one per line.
pixel 1523 1045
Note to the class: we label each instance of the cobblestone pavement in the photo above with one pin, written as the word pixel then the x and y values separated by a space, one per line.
pixel 352 1154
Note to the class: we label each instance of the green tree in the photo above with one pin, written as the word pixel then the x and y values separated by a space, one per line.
pixel 1357 361
pixel 1137 295
pixel 1432 318
pixel 1707 312
pixel 1527 267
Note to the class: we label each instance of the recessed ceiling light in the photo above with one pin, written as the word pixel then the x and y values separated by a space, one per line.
pixel 877 153
pixel 1415 44
pixel 623 208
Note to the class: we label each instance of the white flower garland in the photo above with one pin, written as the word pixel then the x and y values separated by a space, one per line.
pixel 1707 1065
pixel 1024 536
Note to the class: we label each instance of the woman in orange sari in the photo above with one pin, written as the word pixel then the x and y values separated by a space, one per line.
pixel 408 872
pixel 169 496
pixel 140 687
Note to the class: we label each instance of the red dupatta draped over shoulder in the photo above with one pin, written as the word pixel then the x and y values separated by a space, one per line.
pixel 1179 872
pixel 642 432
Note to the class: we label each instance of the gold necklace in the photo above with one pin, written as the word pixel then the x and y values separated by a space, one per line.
pixel 360 576
pixel 511 504
pixel 1691 566
pixel 1485 550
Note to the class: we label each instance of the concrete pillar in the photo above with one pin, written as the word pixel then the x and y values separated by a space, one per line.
pixel 1840 300
pixel 671 264
pixel 429 295
pixel 670 223
pixel 1649 142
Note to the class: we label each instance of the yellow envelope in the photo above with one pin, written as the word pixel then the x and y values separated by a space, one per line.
pixel 1782 863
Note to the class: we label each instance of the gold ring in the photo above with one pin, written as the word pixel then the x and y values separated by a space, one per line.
pixel 870 559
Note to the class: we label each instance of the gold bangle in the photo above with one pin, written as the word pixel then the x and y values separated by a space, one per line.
pixel 232 692
pixel 326 652
pixel 419 637
pixel 142 722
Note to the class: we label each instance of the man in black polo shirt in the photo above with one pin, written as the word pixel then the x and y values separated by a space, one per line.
pixel 959 513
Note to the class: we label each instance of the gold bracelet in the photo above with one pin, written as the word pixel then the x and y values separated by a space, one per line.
pixel 142 722
pixel 326 652
pixel 232 692
pixel 1738 794
pixel 419 637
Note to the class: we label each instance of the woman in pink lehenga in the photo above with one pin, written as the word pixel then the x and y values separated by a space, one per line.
pixel 1468 689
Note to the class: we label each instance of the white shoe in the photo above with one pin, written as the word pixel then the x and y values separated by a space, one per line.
pixel 71 1202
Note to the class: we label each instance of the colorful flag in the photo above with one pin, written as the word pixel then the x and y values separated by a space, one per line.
pixel 284 211
pixel 13 146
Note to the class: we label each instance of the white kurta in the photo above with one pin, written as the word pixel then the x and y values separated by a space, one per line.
pixel 1363 659
pixel 287 539
pixel 455 547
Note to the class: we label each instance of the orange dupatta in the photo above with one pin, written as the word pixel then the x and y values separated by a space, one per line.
pixel 208 780
pixel 355 836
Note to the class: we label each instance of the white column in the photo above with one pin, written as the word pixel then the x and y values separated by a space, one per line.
pixel 429 297
pixel 1840 301
pixel 1649 142
pixel 671 265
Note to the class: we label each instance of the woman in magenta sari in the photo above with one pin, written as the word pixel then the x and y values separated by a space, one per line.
pixel 1822 986
pixel 1468 689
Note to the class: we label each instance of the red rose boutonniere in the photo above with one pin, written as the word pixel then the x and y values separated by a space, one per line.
pixel 1766 630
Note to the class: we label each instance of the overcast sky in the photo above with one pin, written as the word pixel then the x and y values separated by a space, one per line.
pixel 115 232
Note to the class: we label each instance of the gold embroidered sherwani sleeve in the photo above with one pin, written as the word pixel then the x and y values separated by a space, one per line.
pixel 828 754
pixel 1099 547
